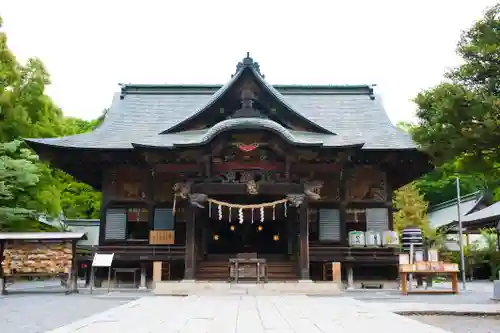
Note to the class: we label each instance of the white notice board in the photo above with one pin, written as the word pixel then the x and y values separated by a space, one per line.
pixel 103 260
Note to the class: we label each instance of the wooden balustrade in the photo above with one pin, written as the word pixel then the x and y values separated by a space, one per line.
pixel 320 251
pixel 134 252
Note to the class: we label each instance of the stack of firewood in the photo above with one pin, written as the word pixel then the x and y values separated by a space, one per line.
pixel 26 258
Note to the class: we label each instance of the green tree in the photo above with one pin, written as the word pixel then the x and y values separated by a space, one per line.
pixel 78 200
pixel 19 174
pixel 461 118
pixel 439 185
pixel 26 111
pixel 411 208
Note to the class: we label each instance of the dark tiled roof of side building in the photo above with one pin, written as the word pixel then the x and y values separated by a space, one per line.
pixel 345 115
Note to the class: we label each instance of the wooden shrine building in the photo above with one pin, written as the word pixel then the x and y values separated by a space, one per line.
pixel 192 175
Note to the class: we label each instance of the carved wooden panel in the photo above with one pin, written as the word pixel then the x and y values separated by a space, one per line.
pixel 127 183
pixel 366 183
pixel 163 191
pixel 331 187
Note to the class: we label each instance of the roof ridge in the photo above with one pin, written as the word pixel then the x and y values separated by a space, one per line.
pixel 285 89
pixel 451 202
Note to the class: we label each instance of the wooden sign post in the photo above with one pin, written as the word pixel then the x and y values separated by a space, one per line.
pixel 101 260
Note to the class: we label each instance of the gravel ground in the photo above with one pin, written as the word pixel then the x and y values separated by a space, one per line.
pixel 38 312
pixel 462 324
pixel 396 297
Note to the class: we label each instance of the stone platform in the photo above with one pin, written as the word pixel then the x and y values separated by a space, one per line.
pixel 247 314
pixel 185 288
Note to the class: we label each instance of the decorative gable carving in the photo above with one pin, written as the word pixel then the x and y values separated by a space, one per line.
pixel 366 183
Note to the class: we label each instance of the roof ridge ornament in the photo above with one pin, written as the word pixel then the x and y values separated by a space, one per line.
pixel 248 62
pixel 247 109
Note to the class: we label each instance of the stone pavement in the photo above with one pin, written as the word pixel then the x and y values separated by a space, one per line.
pixel 252 314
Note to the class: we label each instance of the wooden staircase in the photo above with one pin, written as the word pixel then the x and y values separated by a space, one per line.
pixel 215 268
pixel 281 271
pixel 212 271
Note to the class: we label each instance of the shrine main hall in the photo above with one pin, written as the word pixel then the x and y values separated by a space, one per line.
pixel 196 176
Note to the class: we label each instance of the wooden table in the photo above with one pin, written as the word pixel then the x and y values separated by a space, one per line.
pixel 454 283
pixel 247 268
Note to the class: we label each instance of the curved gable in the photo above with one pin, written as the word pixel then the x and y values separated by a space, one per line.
pixel 247 80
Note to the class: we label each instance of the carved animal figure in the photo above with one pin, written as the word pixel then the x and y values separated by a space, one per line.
pixel 252 187
pixel 197 199
pixel 367 183
pixel 182 189
pixel 295 199
pixel 312 189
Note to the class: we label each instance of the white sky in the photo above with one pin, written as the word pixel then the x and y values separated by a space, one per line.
pixel 91 46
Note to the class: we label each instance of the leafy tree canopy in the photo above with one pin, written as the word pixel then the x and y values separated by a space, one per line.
pixel 29 187
pixel 460 118
pixel 439 185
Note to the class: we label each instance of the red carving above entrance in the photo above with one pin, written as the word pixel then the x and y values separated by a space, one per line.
pixel 247 147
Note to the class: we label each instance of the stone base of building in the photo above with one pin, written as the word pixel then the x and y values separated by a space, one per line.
pixel 185 288
pixel 496 290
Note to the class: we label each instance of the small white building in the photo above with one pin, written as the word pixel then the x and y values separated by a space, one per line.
pixel 89 226
pixel 446 212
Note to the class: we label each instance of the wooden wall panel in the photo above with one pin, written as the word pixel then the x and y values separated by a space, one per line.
pixel 126 183
pixel 331 187
pixel 366 183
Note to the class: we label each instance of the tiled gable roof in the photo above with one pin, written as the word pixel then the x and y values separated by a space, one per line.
pixel 351 115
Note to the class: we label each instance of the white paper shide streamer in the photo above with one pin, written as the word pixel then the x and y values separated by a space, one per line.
pixel 240 215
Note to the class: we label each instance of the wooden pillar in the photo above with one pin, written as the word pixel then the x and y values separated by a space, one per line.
pixel 2 277
pixel 343 206
pixel 290 237
pixel 73 276
pixel 190 258
pixel 293 222
pixel 304 241
pixel 350 277
pixel 157 269
pixel 143 282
